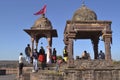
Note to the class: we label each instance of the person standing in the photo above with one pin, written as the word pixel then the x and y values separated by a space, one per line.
pixel 65 54
pixel 27 53
pixel 35 62
pixel 21 64
pixel 41 51
pixel 58 63
pixel 54 57
pixel 41 57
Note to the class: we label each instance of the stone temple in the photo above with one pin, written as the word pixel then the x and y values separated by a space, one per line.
pixel 83 25
pixel 41 28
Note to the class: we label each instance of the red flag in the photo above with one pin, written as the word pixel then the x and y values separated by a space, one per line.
pixel 42 11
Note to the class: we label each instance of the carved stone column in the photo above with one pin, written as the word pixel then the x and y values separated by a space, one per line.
pixel 49 41
pixel 32 40
pixel 70 53
pixel 36 45
pixel 95 41
pixel 107 41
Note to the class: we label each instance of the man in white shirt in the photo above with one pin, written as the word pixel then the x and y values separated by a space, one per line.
pixel 21 61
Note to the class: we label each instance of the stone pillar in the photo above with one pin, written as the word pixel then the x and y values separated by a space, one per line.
pixel 95 42
pixel 70 53
pixel 50 44
pixel 36 44
pixel 107 41
pixel 49 41
pixel 32 49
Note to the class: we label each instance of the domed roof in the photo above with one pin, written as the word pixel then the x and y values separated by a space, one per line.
pixel 84 14
pixel 42 23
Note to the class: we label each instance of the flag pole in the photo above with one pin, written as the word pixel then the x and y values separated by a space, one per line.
pixel 43 15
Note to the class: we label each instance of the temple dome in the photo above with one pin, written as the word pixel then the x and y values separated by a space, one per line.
pixel 42 23
pixel 84 14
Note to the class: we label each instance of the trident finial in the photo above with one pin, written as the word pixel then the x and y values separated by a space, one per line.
pixel 83 2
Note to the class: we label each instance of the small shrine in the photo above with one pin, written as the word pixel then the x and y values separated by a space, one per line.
pixel 41 28
pixel 84 25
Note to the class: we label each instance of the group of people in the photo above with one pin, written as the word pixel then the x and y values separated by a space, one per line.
pixel 41 56
pixel 47 57
pixel 86 55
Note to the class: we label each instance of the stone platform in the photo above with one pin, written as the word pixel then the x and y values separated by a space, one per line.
pixel 82 70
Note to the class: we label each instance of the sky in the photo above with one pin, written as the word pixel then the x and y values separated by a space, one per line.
pixel 16 15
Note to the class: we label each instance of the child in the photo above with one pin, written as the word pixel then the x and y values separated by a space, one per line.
pixel 58 64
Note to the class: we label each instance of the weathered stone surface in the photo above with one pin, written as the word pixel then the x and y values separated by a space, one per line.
pixel 83 14
pixel 84 70
pixel 46 75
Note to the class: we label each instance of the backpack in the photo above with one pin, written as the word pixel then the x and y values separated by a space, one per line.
pixel 41 58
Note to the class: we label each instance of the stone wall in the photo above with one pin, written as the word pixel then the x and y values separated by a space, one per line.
pixel 10 70
pixel 93 74
pixel 46 75
pixel 77 74
pixel 82 70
